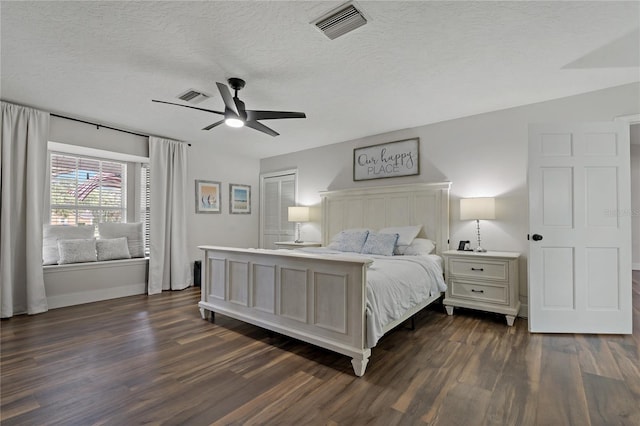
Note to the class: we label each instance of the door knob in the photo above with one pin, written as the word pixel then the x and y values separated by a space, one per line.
pixel 536 237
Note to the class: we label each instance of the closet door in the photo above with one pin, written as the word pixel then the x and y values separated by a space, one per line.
pixel 277 193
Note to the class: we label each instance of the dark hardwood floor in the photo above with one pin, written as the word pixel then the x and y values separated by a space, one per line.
pixel 153 360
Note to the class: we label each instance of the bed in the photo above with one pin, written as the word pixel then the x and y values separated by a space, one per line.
pixel 318 297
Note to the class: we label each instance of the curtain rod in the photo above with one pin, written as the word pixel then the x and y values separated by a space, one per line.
pixel 102 125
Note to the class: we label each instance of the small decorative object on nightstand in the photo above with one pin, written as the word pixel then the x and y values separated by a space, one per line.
pixel 295 245
pixel 486 281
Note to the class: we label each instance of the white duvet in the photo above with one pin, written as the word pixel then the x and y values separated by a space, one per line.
pixel 395 284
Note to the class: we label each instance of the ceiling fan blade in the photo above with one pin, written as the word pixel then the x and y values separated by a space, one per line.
pixel 261 127
pixel 211 126
pixel 188 106
pixel 242 113
pixel 227 98
pixel 273 115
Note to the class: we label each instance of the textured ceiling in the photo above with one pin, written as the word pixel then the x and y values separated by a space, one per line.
pixel 414 63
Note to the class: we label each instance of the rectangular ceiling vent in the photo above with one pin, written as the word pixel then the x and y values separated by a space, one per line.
pixel 193 96
pixel 340 22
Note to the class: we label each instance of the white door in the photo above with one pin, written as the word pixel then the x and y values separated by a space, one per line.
pixel 277 193
pixel 580 228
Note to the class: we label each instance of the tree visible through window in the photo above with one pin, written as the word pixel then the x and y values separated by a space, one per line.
pixel 86 190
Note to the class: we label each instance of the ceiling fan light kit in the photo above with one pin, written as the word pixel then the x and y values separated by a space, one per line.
pixel 236 115
pixel 233 122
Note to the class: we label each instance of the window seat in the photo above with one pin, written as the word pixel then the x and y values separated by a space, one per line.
pixel 77 283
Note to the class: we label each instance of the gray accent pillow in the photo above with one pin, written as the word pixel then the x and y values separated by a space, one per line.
pixel 351 241
pixel 52 233
pixel 133 231
pixel 112 249
pixel 76 251
pixel 382 244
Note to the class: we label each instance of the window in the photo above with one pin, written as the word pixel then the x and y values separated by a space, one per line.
pixel 86 190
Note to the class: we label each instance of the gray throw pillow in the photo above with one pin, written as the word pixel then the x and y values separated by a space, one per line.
pixel 76 251
pixel 112 249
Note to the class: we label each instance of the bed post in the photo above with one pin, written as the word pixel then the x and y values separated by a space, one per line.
pixel 360 364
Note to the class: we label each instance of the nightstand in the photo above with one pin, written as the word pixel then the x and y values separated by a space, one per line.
pixel 485 281
pixel 293 245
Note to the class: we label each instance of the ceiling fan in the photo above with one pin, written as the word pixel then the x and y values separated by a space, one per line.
pixel 235 114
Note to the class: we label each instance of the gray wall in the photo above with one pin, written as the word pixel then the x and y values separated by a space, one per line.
pixel 482 155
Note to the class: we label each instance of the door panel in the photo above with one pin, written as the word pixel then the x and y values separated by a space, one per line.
pixel 579 188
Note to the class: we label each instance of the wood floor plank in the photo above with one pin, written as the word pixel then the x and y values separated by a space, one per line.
pixel 610 401
pixel 153 360
pixel 514 399
pixel 563 400
pixel 596 357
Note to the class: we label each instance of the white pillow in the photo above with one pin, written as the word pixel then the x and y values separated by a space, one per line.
pixel 419 247
pixel 132 231
pixel 76 251
pixel 349 240
pixel 52 233
pixel 378 243
pixel 406 234
pixel 112 249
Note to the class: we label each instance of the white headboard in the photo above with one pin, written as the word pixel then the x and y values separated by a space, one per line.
pixel 425 204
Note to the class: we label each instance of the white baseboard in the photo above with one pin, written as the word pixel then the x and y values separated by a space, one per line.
pixel 524 310
pixel 81 297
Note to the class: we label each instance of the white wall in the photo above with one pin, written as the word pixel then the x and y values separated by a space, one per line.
pixel 482 155
pixel 204 163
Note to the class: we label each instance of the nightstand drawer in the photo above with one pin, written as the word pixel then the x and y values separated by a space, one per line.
pixel 485 269
pixel 480 292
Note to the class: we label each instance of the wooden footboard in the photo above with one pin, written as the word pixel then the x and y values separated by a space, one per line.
pixel 308 297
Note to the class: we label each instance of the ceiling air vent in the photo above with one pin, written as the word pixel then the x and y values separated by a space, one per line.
pixel 193 96
pixel 340 22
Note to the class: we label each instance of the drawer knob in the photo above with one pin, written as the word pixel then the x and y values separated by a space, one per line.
pixel 473 290
pixel 477 269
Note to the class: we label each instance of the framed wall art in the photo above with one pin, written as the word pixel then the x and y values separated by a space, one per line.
pixel 385 160
pixel 208 197
pixel 239 199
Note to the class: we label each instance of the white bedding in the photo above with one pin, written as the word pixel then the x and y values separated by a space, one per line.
pixel 395 284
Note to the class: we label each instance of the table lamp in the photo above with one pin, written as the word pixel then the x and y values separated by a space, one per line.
pixel 478 209
pixel 298 214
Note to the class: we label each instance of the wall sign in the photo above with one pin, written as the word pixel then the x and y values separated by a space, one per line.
pixel 391 159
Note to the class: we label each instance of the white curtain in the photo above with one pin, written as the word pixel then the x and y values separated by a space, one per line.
pixel 23 167
pixel 168 257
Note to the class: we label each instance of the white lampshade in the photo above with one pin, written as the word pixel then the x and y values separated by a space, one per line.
pixel 298 214
pixel 477 208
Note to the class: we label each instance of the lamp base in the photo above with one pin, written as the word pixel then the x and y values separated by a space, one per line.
pixel 479 250
pixel 298 241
